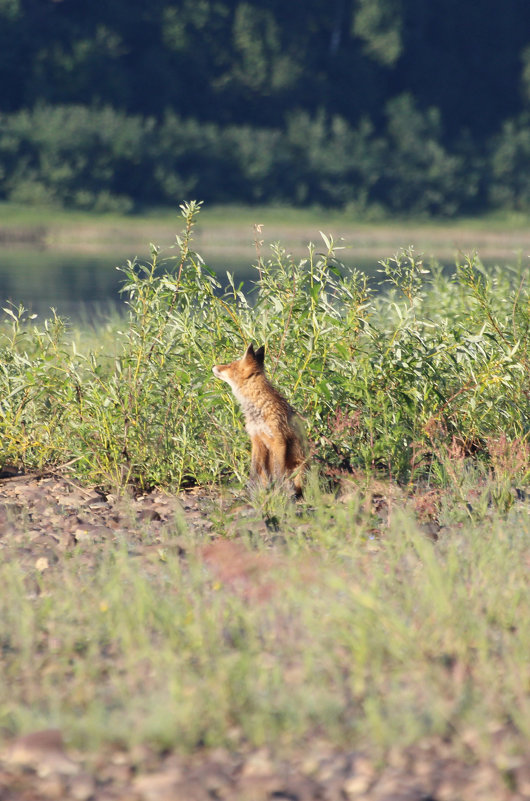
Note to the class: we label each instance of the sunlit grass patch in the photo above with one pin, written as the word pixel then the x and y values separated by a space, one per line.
pixel 326 630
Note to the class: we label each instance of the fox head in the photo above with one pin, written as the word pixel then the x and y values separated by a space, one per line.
pixel 236 373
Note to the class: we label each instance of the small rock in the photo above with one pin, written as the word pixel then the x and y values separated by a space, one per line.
pixel 356 785
pixel 258 764
pixel 83 534
pixel 9 471
pixel 157 786
pixel 522 779
pixel 394 786
pixel 82 787
pixel 148 515
pixel 51 787
pixel 43 751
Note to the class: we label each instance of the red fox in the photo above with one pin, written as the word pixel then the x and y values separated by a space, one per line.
pixel 277 432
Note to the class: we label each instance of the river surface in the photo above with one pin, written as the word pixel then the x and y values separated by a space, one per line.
pixel 86 286
pixel 82 286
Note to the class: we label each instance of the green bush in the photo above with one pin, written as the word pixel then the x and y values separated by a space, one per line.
pixel 510 160
pixel 391 382
pixel 106 160
pixel 73 156
pixel 420 174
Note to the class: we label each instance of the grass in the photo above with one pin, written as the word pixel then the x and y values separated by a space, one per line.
pixel 24 214
pixel 366 641
pixel 337 617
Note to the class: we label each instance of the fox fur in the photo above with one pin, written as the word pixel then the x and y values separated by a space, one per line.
pixel 276 431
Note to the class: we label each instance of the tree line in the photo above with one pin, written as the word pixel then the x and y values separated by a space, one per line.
pixel 397 106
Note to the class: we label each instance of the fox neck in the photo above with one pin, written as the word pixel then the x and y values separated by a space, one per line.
pixel 250 392
pixel 253 396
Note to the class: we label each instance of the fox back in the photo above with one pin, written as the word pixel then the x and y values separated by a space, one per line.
pixel 276 430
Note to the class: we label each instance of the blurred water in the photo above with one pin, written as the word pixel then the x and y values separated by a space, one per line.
pixel 75 285
pixel 82 286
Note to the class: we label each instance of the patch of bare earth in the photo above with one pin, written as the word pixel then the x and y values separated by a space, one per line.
pixel 42 518
pixel 37 766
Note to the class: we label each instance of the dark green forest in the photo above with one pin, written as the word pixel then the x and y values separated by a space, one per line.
pixel 417 107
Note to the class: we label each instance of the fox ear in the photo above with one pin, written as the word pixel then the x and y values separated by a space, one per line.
pixel 250 351
pixel 260 354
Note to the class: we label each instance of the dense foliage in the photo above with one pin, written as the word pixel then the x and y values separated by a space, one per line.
pixel 407 383
pixel 394 105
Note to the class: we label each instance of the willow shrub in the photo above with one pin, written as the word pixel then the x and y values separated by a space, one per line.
pixel 396 381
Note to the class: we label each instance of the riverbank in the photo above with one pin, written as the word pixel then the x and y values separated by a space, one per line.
pixel 231 229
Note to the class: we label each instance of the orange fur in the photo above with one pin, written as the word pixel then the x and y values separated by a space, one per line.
pixel 275 429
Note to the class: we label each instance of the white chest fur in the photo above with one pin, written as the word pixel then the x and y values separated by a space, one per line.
pixel 254 421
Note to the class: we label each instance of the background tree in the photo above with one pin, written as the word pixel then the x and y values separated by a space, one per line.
pixel 410 106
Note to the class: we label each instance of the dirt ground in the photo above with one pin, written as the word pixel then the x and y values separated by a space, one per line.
pixel 41 519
